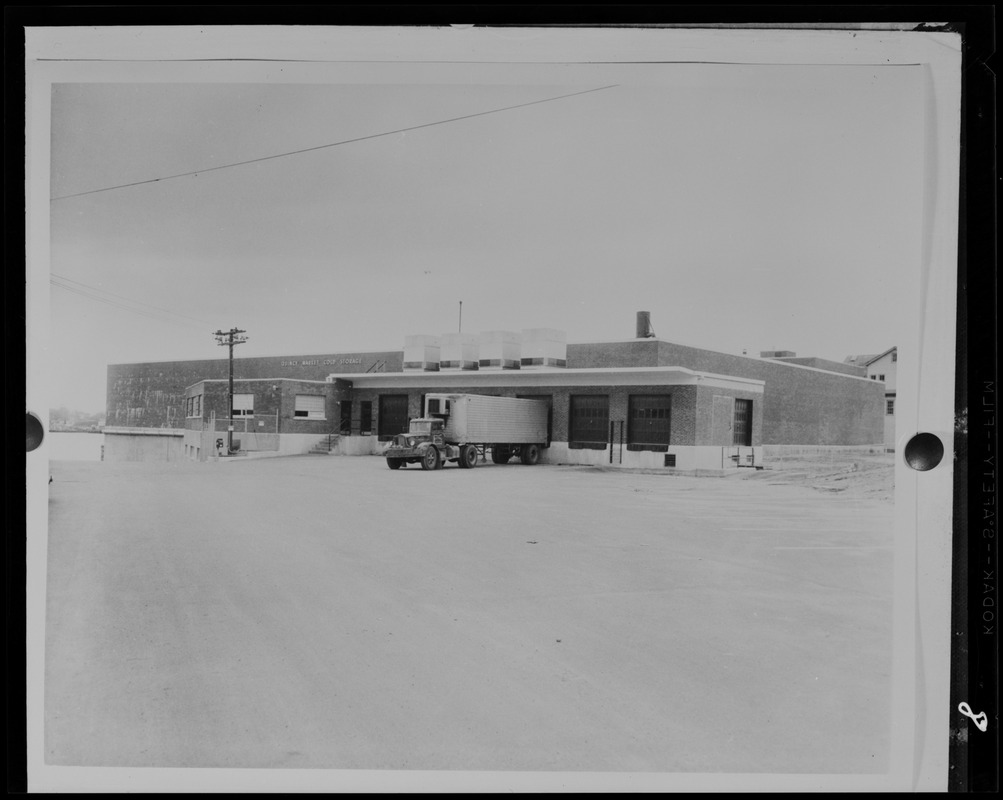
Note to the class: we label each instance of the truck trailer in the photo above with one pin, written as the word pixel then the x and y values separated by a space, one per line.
pixel 462 428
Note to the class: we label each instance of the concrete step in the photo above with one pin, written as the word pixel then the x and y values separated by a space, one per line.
pixel 323 448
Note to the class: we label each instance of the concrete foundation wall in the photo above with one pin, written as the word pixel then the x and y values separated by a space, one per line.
pixel 774 452
pixel 687 458
pixel 358 446
pixel 156 445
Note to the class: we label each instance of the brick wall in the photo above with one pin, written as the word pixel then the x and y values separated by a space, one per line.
pixel 824 363
pixel 800 406
pixel 275 396
pixel 151 395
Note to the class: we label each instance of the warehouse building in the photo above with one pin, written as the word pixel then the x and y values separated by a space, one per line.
pixel 639 402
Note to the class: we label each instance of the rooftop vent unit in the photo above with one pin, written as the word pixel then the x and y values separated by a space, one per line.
pixel 777 354
pixel 544 347
pixel 500 350
pixel 459 351
pixel 421 353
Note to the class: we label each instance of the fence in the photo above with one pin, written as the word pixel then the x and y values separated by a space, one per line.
pixel 251 433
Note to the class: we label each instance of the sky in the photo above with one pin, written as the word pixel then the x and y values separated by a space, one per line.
pixel 745 207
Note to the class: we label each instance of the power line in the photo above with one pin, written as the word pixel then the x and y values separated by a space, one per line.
pixel 332 144
pixel 90 292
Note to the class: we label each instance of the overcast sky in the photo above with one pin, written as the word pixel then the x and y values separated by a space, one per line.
pixel 745 207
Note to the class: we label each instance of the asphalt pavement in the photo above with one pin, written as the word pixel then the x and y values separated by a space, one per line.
pixel 327 612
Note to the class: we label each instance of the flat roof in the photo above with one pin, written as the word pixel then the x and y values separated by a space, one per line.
pixel 550 377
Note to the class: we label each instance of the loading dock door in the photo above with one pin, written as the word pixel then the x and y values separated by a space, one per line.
pixel 393 415
pixel 649 421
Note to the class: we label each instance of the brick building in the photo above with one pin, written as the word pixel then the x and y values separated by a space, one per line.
pixel 882 367
pixel 642 402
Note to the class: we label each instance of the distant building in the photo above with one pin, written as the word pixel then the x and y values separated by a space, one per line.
pixel 641 402
pixel 882 367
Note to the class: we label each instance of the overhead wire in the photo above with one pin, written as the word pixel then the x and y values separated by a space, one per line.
pixel 330 144
pixel 114 300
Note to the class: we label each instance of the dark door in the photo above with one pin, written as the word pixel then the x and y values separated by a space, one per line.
pixel 393 415
pixel 649 421
pixel 589 423
pixel 743 423
pixel 345 423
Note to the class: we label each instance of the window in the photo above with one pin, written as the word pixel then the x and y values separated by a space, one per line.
pixel 648 422
pixel 309 406
pixel 743 423
pixel 890 406
pixel 589 423
pixel 881 377
pixel 366 417
pixel 198 405
pixel 895 356
pixel 243 405
pixel 393 415
pixel 438 405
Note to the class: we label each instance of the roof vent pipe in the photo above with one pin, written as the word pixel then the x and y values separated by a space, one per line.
pixel 644 329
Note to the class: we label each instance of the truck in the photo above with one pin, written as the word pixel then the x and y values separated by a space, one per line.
pixel 462 428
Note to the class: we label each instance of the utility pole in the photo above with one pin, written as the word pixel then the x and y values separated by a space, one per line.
pixel 229 339
pixel 459 328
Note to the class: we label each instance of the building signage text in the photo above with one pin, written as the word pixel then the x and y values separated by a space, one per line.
pixel 317 362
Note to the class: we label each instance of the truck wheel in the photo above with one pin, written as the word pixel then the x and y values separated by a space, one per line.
pixel 468 456
pixel 530 454
pixel 395 463
pixel 500 455
pixel 430 459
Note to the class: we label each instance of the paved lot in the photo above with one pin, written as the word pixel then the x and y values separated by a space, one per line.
pixel 328 612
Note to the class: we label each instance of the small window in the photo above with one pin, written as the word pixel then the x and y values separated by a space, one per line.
pixel 895 356
pixel 881 377
pixel 309 406
pixel 243 405
pixel 890 406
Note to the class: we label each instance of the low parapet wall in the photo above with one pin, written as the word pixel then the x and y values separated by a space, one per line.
pixel 143 444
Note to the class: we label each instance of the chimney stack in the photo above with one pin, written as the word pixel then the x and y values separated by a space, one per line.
pixel 644 330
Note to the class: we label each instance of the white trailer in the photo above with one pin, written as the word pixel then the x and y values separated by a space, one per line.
pixel 464 427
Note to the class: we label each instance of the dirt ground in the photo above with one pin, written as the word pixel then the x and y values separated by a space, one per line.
pixel 864 475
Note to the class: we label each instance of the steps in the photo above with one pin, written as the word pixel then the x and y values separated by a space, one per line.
pixel 326 445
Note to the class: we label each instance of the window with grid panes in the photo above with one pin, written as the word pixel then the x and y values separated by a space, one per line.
pixel 743 423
